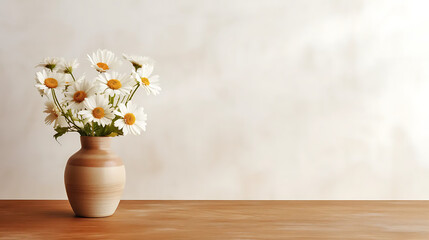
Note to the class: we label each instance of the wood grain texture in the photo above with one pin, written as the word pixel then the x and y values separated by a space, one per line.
pixel 44 219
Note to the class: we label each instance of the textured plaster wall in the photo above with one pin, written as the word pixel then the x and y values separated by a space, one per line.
pixel 261 99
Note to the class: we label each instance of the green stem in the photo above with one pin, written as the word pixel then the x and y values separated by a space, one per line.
pixel 122 100
pixel 54 96
pixel 93 130
pixel 74 79
pixel 119 98
pixel 59 107
pixel 131 96
pixel 111 99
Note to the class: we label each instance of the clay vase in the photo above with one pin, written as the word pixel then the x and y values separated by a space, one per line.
pixel 94 178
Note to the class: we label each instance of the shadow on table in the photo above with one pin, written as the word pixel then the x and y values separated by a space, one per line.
pixel 58 214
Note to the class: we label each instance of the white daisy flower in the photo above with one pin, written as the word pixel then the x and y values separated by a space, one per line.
pixel 148 82
pixel 68 66
pixel 103 60
pixel 54 115
pixel 78 92
pixel 138 61
pixel 45 81
pixel 41 91
pixel 97 110
pixel 115 84
pixel 50 63
pixel 132 119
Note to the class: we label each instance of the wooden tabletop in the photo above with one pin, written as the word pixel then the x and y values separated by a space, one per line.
pixel 36 219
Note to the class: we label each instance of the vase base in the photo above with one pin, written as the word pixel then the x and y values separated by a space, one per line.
pixel 93 216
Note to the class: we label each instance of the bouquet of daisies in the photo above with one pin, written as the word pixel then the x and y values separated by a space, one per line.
pixel 100 106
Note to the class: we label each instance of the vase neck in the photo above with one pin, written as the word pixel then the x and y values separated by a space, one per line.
pixel 95 142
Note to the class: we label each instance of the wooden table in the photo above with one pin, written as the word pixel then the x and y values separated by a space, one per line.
pixel 34 219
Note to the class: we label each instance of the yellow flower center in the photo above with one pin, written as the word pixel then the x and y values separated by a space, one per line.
pixel 79 96
pixel 114 84
pixel 129 118
pixel 98 112
pixel 51 82
pixel 145 81
pixel 103 66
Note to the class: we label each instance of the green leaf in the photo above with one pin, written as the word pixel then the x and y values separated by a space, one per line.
pixel 112 134
pixel 95 129
pixel 60 131
pixel 86 130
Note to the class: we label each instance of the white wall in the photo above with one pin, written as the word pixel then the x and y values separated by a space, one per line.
pixel 262 99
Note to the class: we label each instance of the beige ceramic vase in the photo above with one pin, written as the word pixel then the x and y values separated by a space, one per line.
pixel 94 178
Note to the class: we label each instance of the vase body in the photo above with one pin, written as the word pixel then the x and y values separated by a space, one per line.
pixel 94 178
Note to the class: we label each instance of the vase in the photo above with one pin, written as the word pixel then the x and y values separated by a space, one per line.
pixel 94 178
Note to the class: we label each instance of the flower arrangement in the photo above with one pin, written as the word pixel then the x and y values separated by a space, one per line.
pixel 101 106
